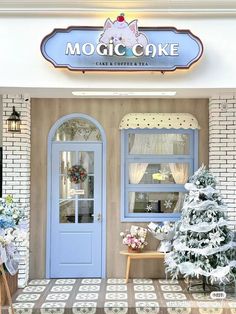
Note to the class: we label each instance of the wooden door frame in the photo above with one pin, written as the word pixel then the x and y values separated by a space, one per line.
pixel 51 134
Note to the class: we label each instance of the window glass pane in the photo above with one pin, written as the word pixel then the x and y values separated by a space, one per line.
pixel 77 130
pixel 67 211
pixel 85 211
pixel 159 144
pixel 155 202
pixel 161 173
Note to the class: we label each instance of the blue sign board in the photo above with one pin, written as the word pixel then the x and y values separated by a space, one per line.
pixel 122 46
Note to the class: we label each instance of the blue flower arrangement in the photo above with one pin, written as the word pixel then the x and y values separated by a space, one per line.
pixel 12 230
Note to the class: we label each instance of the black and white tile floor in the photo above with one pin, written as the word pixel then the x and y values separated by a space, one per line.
pixel 114 296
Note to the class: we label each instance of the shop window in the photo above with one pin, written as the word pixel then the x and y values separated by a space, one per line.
pixel 77 129
pixel 156 164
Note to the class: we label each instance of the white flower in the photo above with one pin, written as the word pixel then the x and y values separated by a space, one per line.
pixel 122 234
pixel 15 216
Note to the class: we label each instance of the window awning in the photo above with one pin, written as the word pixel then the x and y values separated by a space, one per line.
pixel 159 121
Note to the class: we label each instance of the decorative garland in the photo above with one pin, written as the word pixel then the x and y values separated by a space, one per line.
pixel 77 174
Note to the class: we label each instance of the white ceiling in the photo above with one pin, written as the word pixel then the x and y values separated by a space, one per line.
pixel 136 5
pixel 109 93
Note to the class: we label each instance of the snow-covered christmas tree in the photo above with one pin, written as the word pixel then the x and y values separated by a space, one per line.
pixel 203 244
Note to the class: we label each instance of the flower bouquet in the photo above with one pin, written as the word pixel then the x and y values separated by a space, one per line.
pixel 12 230
pixel 165 233
pixel 135 238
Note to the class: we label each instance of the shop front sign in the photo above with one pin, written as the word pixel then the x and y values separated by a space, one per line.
pixel 122 46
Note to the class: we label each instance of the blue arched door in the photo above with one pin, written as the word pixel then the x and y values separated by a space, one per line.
pixel 76 221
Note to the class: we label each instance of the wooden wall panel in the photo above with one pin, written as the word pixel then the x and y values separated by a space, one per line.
pixel 108 112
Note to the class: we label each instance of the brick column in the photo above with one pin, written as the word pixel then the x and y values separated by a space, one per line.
pixel 16 166
pixel 222 149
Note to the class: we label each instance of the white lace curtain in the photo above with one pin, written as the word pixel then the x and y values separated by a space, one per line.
pixel 148 144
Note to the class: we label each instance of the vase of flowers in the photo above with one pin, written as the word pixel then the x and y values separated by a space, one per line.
pixel 165 233
pixel 135 239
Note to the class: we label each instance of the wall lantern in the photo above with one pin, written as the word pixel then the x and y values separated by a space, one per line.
pixel 14 121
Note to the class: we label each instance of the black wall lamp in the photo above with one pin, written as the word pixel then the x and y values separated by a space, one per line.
pixel 14 121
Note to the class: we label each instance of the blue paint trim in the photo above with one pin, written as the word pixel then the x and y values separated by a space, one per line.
pixel 51 133
pixel 122 176
pixel 196 147
pixel 126 158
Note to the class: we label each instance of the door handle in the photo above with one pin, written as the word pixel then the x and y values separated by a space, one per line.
pixel 99 217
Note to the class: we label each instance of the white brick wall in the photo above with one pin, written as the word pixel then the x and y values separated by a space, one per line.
pixel 16 166
pixel 222 149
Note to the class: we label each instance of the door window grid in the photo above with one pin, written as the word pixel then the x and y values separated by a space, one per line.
pixel 76 208
pixel 153 184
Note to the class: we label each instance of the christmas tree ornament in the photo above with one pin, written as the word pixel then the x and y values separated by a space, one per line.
pixel 203 245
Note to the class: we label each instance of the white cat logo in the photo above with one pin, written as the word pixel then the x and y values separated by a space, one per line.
pixel 120 32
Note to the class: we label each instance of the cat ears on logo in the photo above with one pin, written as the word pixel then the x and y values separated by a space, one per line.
pixel 132 25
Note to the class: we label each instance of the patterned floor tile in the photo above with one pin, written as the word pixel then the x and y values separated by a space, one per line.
pixel 168 282
pixel 91 281
pixel 85 304
pixel 148 307
pixel 115 281
pixel 53 307
pixel 116 288
pixel 209 310
pixel 87 296
pixel 145 296
pixel 174 296
pixel 61 288
pixel 116 307
pixel 232 304
pixel 179 310
pixel 201 296
pixel 23 311
pixel 144 288
pixel 186 304
pixel 34 289
pixel 39 282
pixel 84 310
pixel 91 288
pixel 212 305
pixel 171 288
pixel 195 288
pixel 27 305
pixel 116 296
pixel 28 297
pixel 142 281
pixel 65 281
pixel 57 296
pixel 23 308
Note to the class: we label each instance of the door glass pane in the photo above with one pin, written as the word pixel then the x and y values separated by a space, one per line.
pixel 85 211
pixel 161 173
pixel 69 187
pixel 155 202
pixel 76 182
pixel 159 144
pixel 67 211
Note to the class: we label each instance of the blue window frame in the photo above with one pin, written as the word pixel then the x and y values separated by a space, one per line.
pixel 155 164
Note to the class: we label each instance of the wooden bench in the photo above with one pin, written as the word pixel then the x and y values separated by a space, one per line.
pixel 142 255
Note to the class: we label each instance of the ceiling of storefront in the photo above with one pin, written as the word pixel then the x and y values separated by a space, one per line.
pixel 109 93
pixel 106 5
